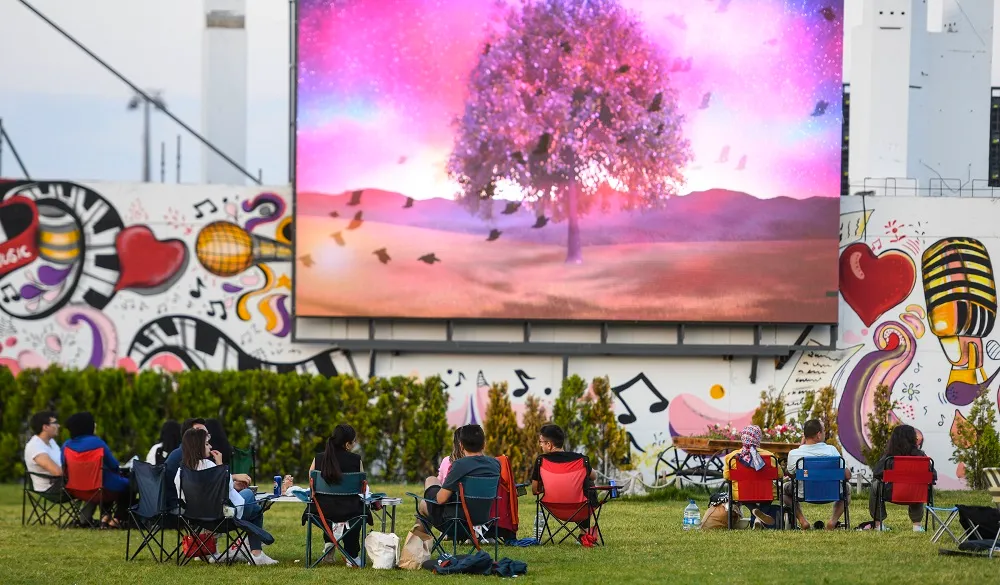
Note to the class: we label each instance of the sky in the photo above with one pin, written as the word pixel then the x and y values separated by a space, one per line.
pixel 382 80
pixel 67 116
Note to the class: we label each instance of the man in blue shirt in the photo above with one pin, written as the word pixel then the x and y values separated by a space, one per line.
pixel 82 439
pixel 173 461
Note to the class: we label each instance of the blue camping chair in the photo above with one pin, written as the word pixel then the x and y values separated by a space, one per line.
pixel 822 481
pixel 341 502
pixel 477 505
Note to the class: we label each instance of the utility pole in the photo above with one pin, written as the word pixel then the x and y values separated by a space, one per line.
pixel 155 98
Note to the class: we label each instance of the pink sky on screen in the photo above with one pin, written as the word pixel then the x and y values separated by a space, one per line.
pixel 380 82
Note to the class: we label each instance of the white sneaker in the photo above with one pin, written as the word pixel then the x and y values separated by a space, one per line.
pixel 262 559
pixel 328 558
pixel 919 528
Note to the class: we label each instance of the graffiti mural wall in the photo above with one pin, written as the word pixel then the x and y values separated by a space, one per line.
pixel 176 277
pixel 199 277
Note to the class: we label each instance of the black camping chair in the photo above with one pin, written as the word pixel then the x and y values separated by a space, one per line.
pixel 152 515
pixel 477 505
pixel 47 507
pixel 341 502
pixel 205 495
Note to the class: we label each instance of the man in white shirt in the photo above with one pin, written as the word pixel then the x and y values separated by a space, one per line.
pixel 42 454
pixel 813 445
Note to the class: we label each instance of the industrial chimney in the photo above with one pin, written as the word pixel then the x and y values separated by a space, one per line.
pixel 224 90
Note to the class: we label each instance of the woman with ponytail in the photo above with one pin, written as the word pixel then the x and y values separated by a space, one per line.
pixel 333 462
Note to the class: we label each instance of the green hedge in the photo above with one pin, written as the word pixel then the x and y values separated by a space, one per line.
pixel 401 422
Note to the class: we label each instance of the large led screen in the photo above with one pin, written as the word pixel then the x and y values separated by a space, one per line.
pixel 611 160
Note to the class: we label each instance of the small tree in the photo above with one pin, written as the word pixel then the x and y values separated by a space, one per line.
pixel 771 411
pixel 566 411
pixel 531 423
pixel 805 413
pixel 503 436
pixel 824 409
pixel 880 425
pixel 606 441
pixel 977 444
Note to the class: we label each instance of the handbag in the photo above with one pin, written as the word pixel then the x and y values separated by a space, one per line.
pixel 198 545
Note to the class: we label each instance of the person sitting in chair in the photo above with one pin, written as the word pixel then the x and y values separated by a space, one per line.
pixel 82 438
pixel 473 463
pixel 42 454
pixel 752 456
pixel 813 445
pixel 551 439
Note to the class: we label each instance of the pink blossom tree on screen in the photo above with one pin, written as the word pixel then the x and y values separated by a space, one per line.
pixel 570 96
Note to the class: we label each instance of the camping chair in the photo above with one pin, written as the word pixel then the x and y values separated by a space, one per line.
pixel 152 516
pixel 749 486
pixel 910 480
pixel 46 507
pixel 476 506
pixel 84 475
pixel 244 461
pixel 348 493
pixel 565 501
pixel 823 481
pixel 206 493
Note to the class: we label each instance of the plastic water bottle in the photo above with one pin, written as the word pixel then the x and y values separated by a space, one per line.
pixel 614 489
pixel 539 525
pixel 692 516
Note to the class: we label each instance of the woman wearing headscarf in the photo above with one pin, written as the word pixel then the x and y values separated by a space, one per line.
pixel 752 456
pixel 82 438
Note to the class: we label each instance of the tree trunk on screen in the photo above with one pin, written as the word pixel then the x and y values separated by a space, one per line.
pixel 574 249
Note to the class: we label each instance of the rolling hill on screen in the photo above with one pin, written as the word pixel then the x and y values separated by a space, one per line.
pixel 716 215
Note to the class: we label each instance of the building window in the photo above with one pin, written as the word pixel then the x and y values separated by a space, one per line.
pixel 845 145
pixel 995 137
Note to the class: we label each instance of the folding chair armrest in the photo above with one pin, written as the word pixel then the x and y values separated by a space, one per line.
pixel 419 499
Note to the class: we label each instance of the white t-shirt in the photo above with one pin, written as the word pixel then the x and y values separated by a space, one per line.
pixel 814 450
pixel 151 456
pixel 234 496
pixel 34 448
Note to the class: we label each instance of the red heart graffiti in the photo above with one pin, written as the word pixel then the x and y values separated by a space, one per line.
pixel 872 284
pixel 19 229
pixel 148 265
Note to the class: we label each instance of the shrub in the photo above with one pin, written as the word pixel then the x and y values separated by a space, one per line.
pixel 606 442
pixel 880 425
pixel 771 412
pixel 531 423
pixel 976 442
pixel 503 435
pixel 567 411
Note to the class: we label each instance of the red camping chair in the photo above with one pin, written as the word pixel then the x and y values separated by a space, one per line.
pixel 748 486
pixel 908 480
pixel 84 473
pixel 565 500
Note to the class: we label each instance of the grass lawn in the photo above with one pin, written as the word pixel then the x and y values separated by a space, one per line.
pixel 645 544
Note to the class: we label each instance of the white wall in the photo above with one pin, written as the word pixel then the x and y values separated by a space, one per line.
pixel 224 91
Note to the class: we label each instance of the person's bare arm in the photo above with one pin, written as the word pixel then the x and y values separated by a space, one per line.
pixel 535 488
pixel 847 473
pixel 46 463
pixel 593 474
pixel 312 467
pixel 443 496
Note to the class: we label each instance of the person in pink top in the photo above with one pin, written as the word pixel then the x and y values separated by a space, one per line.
pixel 456 453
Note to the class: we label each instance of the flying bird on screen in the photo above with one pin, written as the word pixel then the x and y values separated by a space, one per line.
pixel 401 160
pixel 334 214
pixel 356 222
pixel 566 47
pixel 540 222
pixel 429 258
pixel 307 260
pixel 338 237
pixel 409 203
pixel 605 115
pixel 518 158
pixel 356 197
pixel 705 100
pixel 512 207
pixel 828 13
pixel 657 103
pixel 724 155
pixel 544 142
pixel 494 234
pixel 623 69
pixel 742 164
pixel 383 255
pixel 821 106
pixel 486 49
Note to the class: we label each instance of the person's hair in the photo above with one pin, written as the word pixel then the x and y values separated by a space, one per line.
pixel 220 442
pixel 189 424
pixel 902 441
pixel 193 448
pixel 81 424
pixel 472 438
pixel 170 436
pixel 553 434
pixel 812 428
pixel 456 446
pixel 342 435
pixel 39 420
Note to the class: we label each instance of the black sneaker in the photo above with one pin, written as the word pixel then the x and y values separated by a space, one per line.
pixel 819 525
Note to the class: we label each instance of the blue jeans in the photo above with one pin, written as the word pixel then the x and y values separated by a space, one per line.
pixel 252 514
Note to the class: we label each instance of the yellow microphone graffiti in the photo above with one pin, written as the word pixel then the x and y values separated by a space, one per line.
pixel 961 303
pixel 226 249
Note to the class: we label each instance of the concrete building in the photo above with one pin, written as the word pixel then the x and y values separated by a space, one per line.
pixel 224 91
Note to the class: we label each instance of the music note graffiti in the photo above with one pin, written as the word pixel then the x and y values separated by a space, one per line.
pixel 941 422
pixel 197 208
pixel 9 293
pixel 461 377
pixel 659 405
pixel 222 309
pixel 523 377
pixel 198 286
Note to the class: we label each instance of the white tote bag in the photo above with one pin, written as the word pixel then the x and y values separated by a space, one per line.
pixel 382 549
